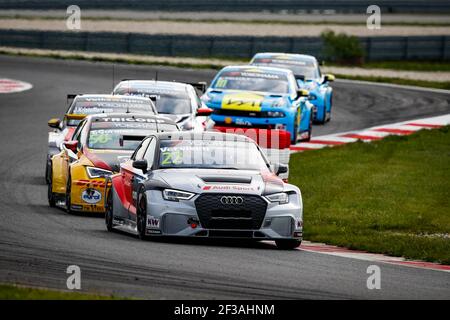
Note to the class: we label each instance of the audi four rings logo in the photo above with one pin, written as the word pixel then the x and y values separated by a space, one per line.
pixel 231 200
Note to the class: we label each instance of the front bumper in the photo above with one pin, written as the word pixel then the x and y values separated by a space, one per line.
pixel 169 218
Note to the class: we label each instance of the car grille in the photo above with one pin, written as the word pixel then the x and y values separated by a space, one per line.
pixel 213 214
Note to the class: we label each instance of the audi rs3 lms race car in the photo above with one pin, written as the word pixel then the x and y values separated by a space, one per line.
pixel 260 97
pixel 307 72
pixel 204 185
pixel 99 143
pixel 87 104
pixel 175 100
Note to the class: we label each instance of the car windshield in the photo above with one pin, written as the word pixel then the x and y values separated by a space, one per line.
pixel 211 154
pixel 122 135
pixel 90 106
pixel 252 81
pixel 298 67
pixel 167 101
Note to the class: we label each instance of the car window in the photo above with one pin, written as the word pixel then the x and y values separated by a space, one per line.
pixel 150 153
pixel 250 80
pixel 139 154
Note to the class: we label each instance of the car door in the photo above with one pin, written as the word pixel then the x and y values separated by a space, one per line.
pixel 139 176
pixel 126 170
pixel 67 157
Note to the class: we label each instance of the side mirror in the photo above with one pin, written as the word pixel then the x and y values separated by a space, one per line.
pixel 141 164
pixel 328 78
pixel 54 123
pixel 204 112
pixel 71 145
pixel 280 169
pixel 302 93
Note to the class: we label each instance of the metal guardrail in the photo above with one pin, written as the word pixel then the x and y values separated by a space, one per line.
pixel 376 48
pixel 340 6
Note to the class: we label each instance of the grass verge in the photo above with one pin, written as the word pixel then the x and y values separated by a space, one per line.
pixel 391 196
pixel 409 82
pixel 12 292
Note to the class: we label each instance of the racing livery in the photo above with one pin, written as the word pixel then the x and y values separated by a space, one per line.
pixel 99 143
pixel 174 100
pixel 307 72
pixel 86 104
pixel 205 184
pixel 260 97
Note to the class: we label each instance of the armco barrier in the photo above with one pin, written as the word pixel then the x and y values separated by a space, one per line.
pixel 377 48
pixel 292 6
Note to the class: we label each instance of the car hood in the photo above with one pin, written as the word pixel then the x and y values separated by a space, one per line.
pixel 221 181
pixel 244 100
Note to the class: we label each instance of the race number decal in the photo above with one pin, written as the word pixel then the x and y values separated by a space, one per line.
pixel 242 101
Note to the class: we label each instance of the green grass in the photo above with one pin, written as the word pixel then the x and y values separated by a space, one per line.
pixel 391 196
pixel 410 82
pixel 12 292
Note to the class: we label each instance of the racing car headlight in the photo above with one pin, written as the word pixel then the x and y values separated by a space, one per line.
pixel 275 114
pixel 281 198
pixel 176 195
pixel 97 172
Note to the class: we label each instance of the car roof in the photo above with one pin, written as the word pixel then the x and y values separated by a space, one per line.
pixel 172 85
pixel 109 97
pixel 293 56
pixel 206 135
pixel 100 116
pixel 261 68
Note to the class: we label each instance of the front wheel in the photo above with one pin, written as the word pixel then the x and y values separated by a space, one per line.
pixel 109 214
pixel 288 244
pixel 69 194
pixel 50 194
pixel 141 216
pixel 294 138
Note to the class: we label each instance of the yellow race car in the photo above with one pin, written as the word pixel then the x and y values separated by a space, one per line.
pixel 98 145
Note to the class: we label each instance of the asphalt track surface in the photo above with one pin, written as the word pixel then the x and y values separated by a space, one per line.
pixel 38 243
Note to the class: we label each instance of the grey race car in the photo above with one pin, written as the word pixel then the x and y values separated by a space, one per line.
pixel 204 185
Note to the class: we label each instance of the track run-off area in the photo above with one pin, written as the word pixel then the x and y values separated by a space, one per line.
pixel 38 243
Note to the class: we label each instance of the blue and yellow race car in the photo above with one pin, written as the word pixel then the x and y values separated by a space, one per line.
pixel 307 73
pixel 260 97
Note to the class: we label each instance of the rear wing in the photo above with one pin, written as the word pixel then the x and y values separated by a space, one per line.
pixel 130 138
pixel 200 86
pixel 71 96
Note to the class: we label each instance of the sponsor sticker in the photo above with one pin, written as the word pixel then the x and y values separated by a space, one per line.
pixel 228 188
pixel 242 101
pixel 91 196
pixel 152 222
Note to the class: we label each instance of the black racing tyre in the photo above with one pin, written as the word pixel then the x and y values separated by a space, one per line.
pixel 322 121
pixel 141 215
pixel 329 113
pixel 288 244
pixel 68 194
pixel 50 194
pixel 109 213
pixel 296 124
pixel 311 119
